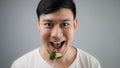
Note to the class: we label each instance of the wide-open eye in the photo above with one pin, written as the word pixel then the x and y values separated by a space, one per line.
pixel 48 25
pixel 65 24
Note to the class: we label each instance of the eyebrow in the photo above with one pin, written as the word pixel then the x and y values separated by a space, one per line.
pixel 66 20
pixel 48 20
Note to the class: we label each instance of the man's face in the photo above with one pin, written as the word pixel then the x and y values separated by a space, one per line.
pixel 57 29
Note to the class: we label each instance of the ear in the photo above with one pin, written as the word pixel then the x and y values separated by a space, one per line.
pixel 38 24
pixel 75 23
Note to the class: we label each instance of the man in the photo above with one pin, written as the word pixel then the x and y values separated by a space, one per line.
pixel 56 23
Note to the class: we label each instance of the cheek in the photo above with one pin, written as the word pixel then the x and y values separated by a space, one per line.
pixel 69 34
pixel 44 34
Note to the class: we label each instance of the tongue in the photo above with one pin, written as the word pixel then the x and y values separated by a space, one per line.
pixel 57 45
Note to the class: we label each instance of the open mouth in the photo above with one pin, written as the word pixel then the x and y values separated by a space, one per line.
pixel 57 45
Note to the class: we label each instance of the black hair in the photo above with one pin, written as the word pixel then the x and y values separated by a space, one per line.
pixel 49 6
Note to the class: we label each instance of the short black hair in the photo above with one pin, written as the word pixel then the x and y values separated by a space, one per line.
pixel 49 6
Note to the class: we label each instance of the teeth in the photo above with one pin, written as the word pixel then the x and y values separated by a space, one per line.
pixel 57 44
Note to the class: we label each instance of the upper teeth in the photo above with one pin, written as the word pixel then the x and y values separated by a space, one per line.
pixel 56 42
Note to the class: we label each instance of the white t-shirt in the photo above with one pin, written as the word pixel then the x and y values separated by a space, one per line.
pixel 33 59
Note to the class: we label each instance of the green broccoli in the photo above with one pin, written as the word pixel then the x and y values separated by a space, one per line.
pixel 55 55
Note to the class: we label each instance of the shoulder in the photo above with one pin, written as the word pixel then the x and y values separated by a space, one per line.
pixel 23 60
pixel 88 60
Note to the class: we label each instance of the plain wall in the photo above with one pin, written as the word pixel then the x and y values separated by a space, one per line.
pixel 98 30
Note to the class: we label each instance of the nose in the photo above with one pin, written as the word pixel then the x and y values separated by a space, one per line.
pixel 56 32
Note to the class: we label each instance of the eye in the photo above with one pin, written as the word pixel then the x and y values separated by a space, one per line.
pixel 48 25
pixel 65 25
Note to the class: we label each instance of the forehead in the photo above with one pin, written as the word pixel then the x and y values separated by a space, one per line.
pixel 62 13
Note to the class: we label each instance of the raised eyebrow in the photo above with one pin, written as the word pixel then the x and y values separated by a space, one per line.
pixel 47 20
pixel 66 20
